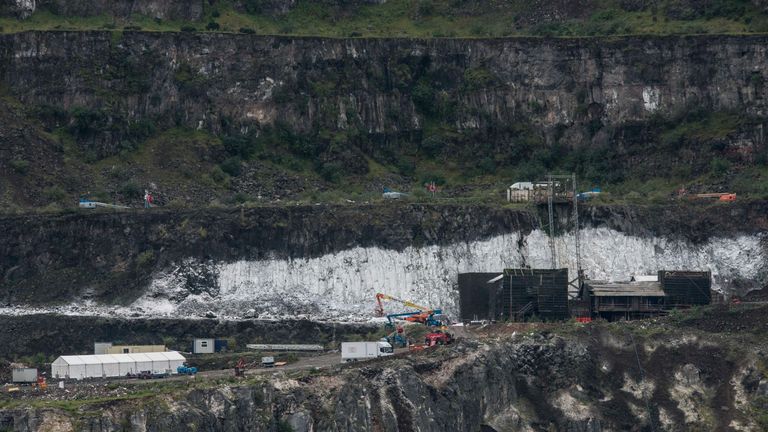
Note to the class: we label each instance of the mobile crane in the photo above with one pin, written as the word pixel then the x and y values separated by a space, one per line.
pixel 423 315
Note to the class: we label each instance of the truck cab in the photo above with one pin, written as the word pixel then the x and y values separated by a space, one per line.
pixel 385 348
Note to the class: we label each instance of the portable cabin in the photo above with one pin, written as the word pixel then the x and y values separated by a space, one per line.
pixel 101 347
pixel 134 349
pixel 24 375
pixel 204 346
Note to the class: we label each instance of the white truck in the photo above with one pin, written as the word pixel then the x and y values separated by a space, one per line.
pixel 354 351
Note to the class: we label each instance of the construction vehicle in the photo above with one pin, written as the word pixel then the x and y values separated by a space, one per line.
pixel 354 351
pixel 41 383
pixel 267 362
pixel 728 197
pixel 186 370
pixel 719 196
pixel 397 338
pixel 438 338
pixel 240 367
pixel 423 315
pixel 154 375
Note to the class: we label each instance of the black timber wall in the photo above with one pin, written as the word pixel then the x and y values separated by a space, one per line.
pixel 546 289
pixel 477 298
pixel 686 287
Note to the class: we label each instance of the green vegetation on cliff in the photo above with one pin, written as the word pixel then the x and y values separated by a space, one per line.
pixel 208 119
pixel 433 18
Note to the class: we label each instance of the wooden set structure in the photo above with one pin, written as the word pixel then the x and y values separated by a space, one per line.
pixel 522 294
pixel 642 299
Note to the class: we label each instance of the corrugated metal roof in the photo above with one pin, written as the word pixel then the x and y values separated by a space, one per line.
pixel 625 289
pixel 645 278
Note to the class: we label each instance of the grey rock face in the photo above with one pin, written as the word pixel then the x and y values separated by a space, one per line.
pixel 217 81
pixel 163 9
pixel 34 256
pixel 17 8
pixel 532 383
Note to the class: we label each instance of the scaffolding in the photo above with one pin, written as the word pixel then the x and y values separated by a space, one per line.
pixel 562 189
pixel 542 292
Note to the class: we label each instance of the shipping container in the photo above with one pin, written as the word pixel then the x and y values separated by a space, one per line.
pixel 24 375
pixel 220 345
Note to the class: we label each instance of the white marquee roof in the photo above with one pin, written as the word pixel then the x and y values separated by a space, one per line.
pixel 119 358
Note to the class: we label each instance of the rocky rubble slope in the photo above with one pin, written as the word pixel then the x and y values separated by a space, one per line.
pixel 671 375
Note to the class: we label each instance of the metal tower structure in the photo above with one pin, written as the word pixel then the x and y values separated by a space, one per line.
pixel 557 191
pixel 576 228
pixel 550 207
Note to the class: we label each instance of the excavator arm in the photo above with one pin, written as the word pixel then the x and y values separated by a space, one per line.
pixel 380 305
pixel 422 314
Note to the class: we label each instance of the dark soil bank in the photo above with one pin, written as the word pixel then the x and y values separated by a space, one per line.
pixel 55 335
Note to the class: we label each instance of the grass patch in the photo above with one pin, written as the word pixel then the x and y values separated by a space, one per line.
pixel 702 128
pixel 433 18
pixel 73 406
pixel 752 182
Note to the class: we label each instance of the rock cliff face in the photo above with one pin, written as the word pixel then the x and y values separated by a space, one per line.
pixel 595 379
pixel 111 257
pixel 529 12
pixel 170 10
pixel 385 88
pixel 327 262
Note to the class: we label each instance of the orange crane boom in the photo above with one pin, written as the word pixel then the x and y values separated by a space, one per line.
pixel 719 196
pixel 380 306
pixel 422 315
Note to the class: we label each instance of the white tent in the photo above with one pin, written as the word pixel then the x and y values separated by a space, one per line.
pixel 115 365
pixel 110 366
pixel 143 363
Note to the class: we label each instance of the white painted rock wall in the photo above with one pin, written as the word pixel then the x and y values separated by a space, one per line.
pixel 342 286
